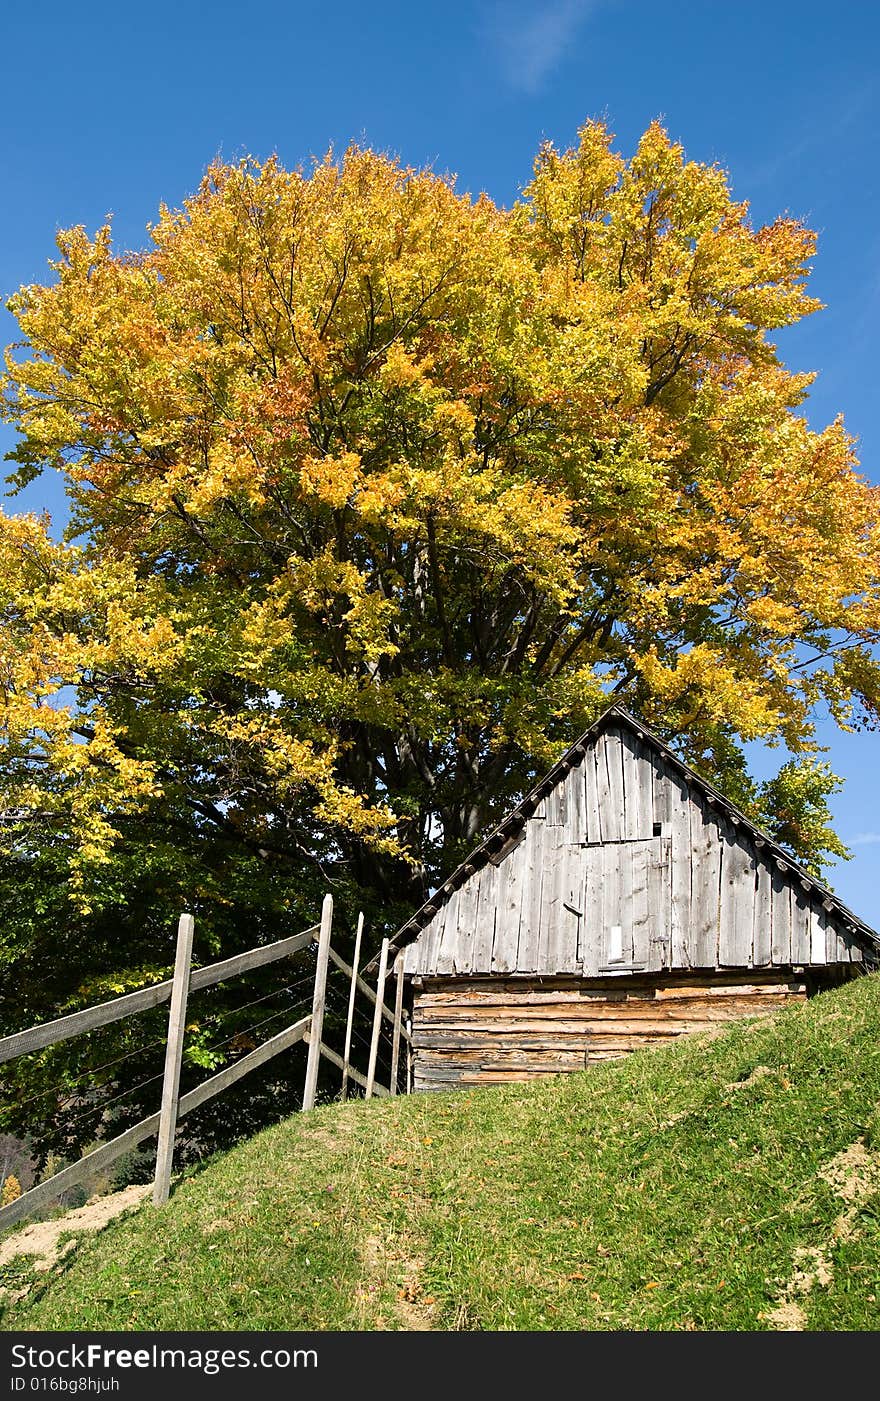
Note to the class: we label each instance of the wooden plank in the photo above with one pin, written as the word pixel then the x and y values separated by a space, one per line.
pixel 545 1025
pixel 489 878
pixel 397 1027
pixel 592 814
pixel 763 917
pixel 614 827
pixel 537 1034
pixel 530 918
pixel 800 920
pixel 565 944
pixel 254 958
pixel 610 1000
pixel 319 994
pixel 173 1058
pixel 780 933
pixel 377 1018
pixel 551 896
pixel 647 777
pixel 590 938
pixel 411 957
pixel 607 815
pixel 575 817
pixel 35 1038
pixel 645 949
pixel 48 1033
pixel 506 945
pixel 46 1192
pixel 728 893
pixel 666 789
pixel 660 895
pixel 638 803
pixel 498 962
pixel 298 1031
pixel 431 937
pixel 352 992
pixel 678 824
pixel 561 1021
pixel 537 1058
pixel 556 804
pixel 737 917
pixel 476 992
pixel 616 903
pixel 427 943
pixel 562 899
pixel 462 950
pixel 705 887
pixel 835 948
pixel 443 960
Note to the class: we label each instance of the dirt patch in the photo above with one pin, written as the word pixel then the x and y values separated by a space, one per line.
pixel 853 1176
pixel 811 1267
pixel 413 1310
pixel 43 1239
pixel 786 1318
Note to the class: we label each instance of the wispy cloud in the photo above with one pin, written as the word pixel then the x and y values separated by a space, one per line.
pixel 866 839
pixel 815 139
pixel 530 39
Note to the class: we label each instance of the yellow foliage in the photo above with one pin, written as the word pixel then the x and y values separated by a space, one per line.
pixel 378 483
pixel 11 1190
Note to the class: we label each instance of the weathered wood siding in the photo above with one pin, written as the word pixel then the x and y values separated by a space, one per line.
pixel 476 1032
pixel 627 868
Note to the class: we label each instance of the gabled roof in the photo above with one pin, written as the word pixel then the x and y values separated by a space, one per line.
pixel 516 819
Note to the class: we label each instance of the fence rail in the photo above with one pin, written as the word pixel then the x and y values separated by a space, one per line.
pixel 35 1038
pixel 184 982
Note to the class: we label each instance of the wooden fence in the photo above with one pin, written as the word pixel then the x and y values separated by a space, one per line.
pixel 177 990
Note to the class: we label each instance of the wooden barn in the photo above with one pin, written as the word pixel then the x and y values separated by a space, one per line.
pixel 624 901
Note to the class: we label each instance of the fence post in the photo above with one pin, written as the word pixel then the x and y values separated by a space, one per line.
pixel 316 1028
pixel 351 995
pixel 173 1057
pixel 409 1055
pixel 398 1015
pixel 377 1019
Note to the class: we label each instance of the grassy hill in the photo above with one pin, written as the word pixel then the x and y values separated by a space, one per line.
pixel 723 1183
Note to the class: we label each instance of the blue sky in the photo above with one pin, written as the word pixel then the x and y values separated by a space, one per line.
pixel 112 109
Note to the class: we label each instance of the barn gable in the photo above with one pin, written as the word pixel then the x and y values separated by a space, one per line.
pixel 623 861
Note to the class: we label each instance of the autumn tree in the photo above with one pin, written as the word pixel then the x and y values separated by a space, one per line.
pixel 380 491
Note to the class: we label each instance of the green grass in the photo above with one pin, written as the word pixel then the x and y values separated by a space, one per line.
pixel 681 1188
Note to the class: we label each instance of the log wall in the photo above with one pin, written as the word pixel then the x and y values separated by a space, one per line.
pixel 477 1032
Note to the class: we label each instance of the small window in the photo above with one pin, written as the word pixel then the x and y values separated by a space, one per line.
pixel 615 944
pixel 658 829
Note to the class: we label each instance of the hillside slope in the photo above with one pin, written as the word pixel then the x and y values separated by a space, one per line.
pixel 723 1183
